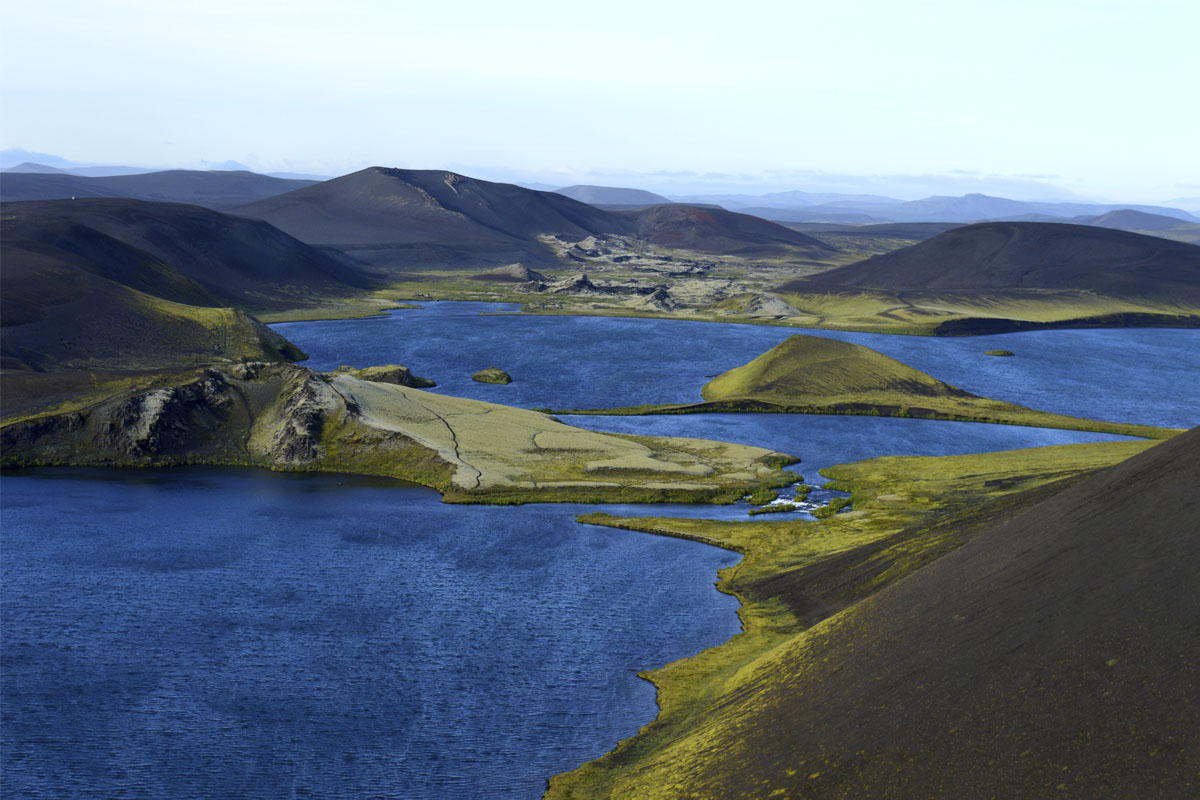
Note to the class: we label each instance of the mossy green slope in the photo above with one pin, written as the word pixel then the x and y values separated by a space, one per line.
pixel 809 370
pixel 733 720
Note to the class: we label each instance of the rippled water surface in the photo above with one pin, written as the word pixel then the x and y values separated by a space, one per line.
pixel 239 633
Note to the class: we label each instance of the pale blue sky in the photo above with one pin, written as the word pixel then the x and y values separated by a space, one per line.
pixel 1030 99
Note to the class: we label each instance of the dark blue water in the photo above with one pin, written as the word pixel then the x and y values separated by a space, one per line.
pixel 203 633
pixel 1151 376
pixel 241 633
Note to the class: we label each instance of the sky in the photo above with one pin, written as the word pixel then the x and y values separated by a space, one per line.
pixel 1052 99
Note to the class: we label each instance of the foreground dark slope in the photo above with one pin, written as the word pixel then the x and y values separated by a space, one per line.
pixel 239 262
pixel 1052 655
pixel 209 188
pixel 396 217
pixel 1028 255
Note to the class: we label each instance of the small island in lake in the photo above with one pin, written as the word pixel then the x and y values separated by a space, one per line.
pixel 492 375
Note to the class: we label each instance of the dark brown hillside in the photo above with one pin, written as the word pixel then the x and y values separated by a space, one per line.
pixel 395 218
pixel 1052 655
pixel 1028 255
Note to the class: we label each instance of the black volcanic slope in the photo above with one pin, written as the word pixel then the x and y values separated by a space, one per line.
pixel 397 217
pixel 1054 655
pixel 713 229
pixel 1028 255
pixel 212 189
pixel 237 261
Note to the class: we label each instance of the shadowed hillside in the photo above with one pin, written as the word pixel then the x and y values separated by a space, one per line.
pixel 237 261
pixel 1029 255
pixel 104 285
pixel 212 189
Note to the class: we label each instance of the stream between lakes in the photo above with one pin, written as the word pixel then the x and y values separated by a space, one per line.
pixel 239 633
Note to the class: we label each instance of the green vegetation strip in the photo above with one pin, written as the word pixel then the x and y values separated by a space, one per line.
pixel 1027 418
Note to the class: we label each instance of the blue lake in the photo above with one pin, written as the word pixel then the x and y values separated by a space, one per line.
pixel 240 633
pixel 1151 376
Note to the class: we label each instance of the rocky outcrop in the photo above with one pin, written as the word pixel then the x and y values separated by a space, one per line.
pixel 513 273
pixel 581 284
pixel 575 284
pixel 659 300
pixel 170 424
pixel 257 413
pixel 388 373
pixel 296 439
pixel 768 304
pixel 166 420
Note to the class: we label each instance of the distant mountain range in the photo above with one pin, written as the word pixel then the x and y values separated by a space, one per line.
pixel 14 160
pixel 29 167
pixel 861 209
pixel 793 199
pixel 212 189
pixel 789 206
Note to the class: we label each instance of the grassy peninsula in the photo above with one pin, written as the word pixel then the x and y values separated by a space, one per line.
pixel 283 416
pixel 815 375
pixel 837 666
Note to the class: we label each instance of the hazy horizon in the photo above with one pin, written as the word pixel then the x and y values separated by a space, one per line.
pixel 1076 101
